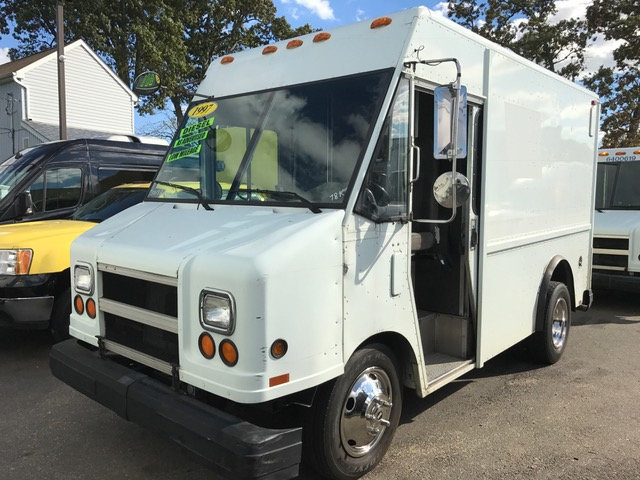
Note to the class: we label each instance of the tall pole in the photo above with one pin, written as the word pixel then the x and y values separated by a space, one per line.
pixel 62 96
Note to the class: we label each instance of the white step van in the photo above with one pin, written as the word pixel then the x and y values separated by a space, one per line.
pixel 388 204
pixel 616 227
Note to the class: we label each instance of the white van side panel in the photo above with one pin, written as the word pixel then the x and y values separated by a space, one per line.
pixel 539 166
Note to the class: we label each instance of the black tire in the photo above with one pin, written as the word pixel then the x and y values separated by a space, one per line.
pixel 60 316
pixel 335 416
pixel 549 344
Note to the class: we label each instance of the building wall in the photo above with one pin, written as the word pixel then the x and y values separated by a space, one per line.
pixel 95 100
pixel 13 135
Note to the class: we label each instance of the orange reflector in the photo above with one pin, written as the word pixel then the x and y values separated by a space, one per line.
pixel 269 49
pixel 279 380
pixel 278 348
pixel 227 59
pixel 380 22
pixel 294 44
pixel 228 353
pixel 78 304
pixel 91 308
pixel 321 37
pixel 603 154
pixel 23 261
pixel 620 153
pixel 206 345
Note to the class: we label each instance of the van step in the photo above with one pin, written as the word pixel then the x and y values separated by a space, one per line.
pixel 438 365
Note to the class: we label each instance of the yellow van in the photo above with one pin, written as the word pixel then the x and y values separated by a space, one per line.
pixel 34 262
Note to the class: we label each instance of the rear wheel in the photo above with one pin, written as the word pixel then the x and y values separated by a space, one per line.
pixel 355 417
pixel 60 316
pixel 549 344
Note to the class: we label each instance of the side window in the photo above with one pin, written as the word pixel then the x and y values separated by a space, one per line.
pixel 384 191
pixel 111 177
pixel 56 188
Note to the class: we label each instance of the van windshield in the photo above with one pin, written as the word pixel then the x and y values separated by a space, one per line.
pixel 618 186
pixel 297 146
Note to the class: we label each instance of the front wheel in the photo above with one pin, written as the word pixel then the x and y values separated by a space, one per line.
pixel 355 417
pixel 549 344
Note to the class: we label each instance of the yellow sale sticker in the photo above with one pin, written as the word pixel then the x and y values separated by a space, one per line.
pixel 203 109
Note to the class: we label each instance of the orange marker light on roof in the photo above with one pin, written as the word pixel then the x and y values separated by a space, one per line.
pixel 636 152
pixel 269 49
pixel 227 59
pixel 381 22
pixel 620 153
pixel 294 44
pixel 321 37
pixel 603 154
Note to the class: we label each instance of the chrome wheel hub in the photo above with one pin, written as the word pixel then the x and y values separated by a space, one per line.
pixel 366 412
pixel 560 323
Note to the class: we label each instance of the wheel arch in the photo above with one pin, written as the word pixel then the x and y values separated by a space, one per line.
pixel 558 270
pixel 403 351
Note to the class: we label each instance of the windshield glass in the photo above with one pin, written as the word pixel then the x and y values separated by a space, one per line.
pixel 15 168
pixel 295 145
pixel 111 202
pixel 618 186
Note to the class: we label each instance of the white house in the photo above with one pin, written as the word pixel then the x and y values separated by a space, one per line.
pixel 99 104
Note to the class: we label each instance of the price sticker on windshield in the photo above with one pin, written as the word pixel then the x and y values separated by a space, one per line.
pixel 203 109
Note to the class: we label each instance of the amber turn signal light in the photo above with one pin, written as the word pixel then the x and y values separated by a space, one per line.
pixel 278 348
pixel 206 345
pixel 228 353
pixel 91 308
pixel 78 304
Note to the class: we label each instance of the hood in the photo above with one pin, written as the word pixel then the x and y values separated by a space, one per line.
pixel 616 222
pixel 50 241
pixel 160 237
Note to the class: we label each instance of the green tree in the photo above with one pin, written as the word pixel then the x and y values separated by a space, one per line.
pixel 526 27
pixel 176 38
pixel 619 88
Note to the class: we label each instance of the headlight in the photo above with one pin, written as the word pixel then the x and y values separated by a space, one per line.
pixel 217 311
pixel 83 278
pixel 15 262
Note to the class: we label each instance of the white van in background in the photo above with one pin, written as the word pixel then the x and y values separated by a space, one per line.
pixel 616 229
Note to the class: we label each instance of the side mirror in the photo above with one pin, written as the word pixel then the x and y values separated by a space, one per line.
pixel 146 83
pixel 443 122
pixel 22 205
pixel 443 189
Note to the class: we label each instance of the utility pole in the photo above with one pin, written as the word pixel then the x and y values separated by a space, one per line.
pixel 62 95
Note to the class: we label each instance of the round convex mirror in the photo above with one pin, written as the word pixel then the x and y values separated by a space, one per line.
pixel 443 189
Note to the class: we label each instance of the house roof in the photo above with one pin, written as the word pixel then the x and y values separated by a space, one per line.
pixel 26 63
pixel 12 67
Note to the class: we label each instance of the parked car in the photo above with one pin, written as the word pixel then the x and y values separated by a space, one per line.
pixel 52 180
pixel 34 261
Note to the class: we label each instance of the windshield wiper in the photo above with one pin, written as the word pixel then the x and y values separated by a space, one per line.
pixel 286 194
pixel 195 192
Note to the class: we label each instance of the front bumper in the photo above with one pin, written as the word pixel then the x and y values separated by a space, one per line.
pixel 624 283
pixel 235 448
pixel 27 300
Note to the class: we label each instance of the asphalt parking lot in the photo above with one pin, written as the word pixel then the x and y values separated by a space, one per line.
pixel 578 419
